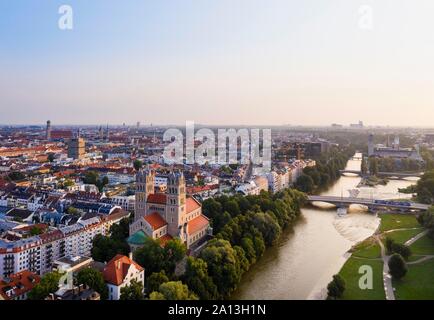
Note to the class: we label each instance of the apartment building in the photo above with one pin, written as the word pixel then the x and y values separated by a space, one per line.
pixel 38 253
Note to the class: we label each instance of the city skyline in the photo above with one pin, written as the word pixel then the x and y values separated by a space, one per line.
pixel 218 63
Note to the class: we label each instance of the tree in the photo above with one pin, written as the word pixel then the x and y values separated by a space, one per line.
pixel 68 183
pixel 268 226
pixel 105 248
pixel 373 166
pixel 155 280
pixel 91 177
pixel 132 292
pixel 389 245
pixel 231 206
pixel 397 266
pixel 120 231
pixel 49 284
pixel 401 249
pixel 137 164
pixel 151 256
pixel 364 167
pixel 223 265
pixel 198 280
pixel 173 290
pixel 16 176
pixel 336 288
pixel 426 219
pixel 35 231
pixel 174 251
pixel 305 183
pixel 94 279
pixel 73 211
pixel 393 247
pixel 249 249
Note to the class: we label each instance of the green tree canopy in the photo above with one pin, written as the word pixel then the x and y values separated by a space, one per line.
pixel 151 256
pixel 137 165
pixel 305 183
pixel 223 265
pixel 397 266
pixel 173 290
pixel 155 280
pixel 197 279
pixel 336 287
pixel 94 279
pixel 105 248
pixel 132 292
pixel 49 284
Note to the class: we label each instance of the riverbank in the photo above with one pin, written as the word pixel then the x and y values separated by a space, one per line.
pixel 306 257
pixel 403 229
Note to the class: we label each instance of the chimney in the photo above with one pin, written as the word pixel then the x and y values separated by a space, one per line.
pixel 118 264
pixel 130 255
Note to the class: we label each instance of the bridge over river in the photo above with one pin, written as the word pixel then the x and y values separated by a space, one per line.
pixel 370 203
pixel 388 174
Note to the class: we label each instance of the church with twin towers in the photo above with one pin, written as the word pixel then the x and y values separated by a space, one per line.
pixel 166 215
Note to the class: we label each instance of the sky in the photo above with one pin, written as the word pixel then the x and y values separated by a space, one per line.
pixel 218 62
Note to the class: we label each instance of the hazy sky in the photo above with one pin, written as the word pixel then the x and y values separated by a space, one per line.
pixel 217 62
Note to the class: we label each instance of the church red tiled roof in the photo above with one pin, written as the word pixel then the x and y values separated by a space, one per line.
pixel 117 269
pixel 192 204
pixel 155 220
pixel 197 224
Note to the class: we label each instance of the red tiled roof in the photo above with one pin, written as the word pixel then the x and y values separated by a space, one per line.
pixel 117 269
pixel 159 198
pixel 192 205
pixel 197 224
pixel 155 220
pixel 20 282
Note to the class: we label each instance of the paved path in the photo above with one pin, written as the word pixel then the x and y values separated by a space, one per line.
pixel 425 258
pixel 387 278
pixel 415 238
pixel 402 229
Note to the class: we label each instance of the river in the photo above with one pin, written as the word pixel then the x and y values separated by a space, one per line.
pixel 311 252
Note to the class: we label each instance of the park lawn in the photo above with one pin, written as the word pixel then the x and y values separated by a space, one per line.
pixel 367 249
pixel 350 272
pixel 401 236
pixel 418 283
pixel 390 221
pixel 424 246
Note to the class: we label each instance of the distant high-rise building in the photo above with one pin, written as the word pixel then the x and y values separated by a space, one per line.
pixel 48 131
pixel 371 145
pixel 76 147
pixel 396 143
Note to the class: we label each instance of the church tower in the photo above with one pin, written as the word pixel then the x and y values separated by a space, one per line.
pixel 145 180
pixel 176 205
